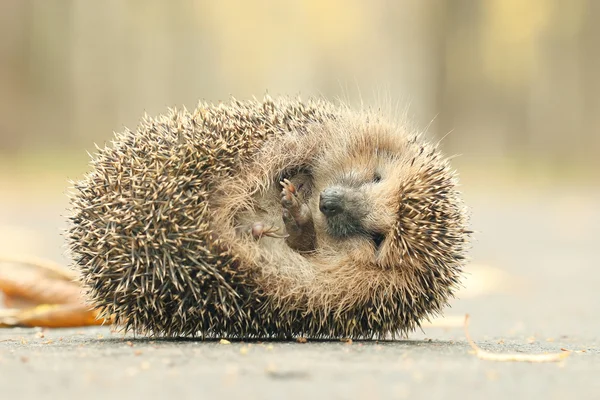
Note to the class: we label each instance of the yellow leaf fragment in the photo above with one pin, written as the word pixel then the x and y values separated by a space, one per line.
pixel 486 355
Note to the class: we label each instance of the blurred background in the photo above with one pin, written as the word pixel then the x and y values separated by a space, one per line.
pixel 512 86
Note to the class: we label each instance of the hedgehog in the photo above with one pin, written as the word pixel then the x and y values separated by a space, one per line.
pixel 275 218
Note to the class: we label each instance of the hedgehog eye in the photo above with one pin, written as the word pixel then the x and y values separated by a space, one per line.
pixel 378 239
pixel 376 177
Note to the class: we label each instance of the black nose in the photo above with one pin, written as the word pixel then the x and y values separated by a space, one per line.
pixel 331 202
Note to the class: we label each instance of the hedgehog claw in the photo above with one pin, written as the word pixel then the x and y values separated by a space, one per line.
pixel 289 196
pixel 288 185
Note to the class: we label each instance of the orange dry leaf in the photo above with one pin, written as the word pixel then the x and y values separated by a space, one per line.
pixel 52 316
pixel 30 281
pixel 30 287
pixel 42 294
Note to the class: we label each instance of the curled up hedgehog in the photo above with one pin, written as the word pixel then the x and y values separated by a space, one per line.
pixel 276 218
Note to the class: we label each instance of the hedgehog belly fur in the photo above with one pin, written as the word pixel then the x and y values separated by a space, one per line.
pixel 159 227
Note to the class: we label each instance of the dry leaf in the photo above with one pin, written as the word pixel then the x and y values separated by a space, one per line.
pixel 25 287
pixel 485 355
pixel 42 294
pixel 51 316
pixel 50 269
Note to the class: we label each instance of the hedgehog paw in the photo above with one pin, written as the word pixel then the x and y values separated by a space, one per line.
pixel 292 204
pixel 297 219
pixel 259 230
pixel 289 195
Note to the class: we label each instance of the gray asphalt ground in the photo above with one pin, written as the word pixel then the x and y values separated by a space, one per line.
pixel 532 288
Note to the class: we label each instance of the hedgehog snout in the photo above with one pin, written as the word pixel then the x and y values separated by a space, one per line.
pixel 344 209
pixel 331 201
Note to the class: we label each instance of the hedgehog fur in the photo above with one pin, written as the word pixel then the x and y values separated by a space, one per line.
pixel 159 228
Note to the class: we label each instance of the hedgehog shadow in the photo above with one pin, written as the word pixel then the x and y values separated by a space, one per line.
pixel 386 342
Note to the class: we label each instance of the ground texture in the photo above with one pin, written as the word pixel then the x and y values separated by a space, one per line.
pixel 532 287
